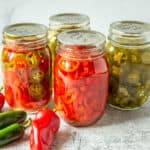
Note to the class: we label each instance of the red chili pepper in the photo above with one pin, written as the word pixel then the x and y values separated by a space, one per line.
pixel 68 65
pixel 2 100
pixel 44 127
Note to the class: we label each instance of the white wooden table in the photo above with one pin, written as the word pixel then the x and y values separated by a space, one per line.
pixel 117 130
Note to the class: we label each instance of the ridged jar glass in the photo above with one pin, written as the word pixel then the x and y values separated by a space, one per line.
pixel 26 67
pixel 128 53
pixel 81 77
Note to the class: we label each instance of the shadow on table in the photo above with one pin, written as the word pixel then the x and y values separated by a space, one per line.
pixel 61 138
pixel 114 116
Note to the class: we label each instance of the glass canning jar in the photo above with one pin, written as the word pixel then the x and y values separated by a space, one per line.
pixel 62 22
pixel 26 67
pixel 81 77
pixel 128 53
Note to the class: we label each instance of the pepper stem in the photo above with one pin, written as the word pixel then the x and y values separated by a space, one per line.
pixel 27 123
pixel 1 88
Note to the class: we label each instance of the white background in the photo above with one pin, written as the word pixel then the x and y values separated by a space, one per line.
pixel 101 12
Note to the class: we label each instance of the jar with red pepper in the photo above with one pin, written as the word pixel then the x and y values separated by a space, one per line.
pixel 26 65
pixel 81 77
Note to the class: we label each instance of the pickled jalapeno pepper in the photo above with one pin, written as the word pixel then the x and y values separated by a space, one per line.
pixel 128 54
pixel 26 66
pixel 81 77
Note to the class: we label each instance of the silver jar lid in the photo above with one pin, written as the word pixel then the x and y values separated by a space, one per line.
pixel 25 35
pixel 82 38
pixel 132 33
pixel 69 20
pixel 25 30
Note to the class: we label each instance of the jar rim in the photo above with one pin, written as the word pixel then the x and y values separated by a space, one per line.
pixel 128 32
pixel 68 20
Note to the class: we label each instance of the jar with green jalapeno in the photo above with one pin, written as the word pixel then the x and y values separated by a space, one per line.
pixel 128 54
pixel 26 62
pixel 63 22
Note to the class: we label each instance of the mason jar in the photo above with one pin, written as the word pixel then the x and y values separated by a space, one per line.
pixel 81 77
pixel 128 53
pixel 62 22
pixel 26 66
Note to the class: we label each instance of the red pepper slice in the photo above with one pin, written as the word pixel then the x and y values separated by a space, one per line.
pixel 44 63
pixel 70 96
pixel 68 65
pixel 67 111
pixel 6 56
pixel 11 78
pixel 44 127
pixel 2 99
pixel 9 96
pixel 59 86
pixel 81 112
pixel 87 68
pixel 20 62
pixel 23 76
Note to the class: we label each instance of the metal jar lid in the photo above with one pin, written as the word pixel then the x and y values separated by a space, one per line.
pixel 25 36
pixel 69 20
pixel 82 38
pixel 25 30
pixel 131 33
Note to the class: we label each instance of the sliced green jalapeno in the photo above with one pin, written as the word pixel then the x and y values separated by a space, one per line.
pixel 120 56
pixel 135 56
pixel 37 91
pixel 32 59
pixel 9 66
pixel 141 92
pixel 37 75
pixel 133 78
pixel 146 57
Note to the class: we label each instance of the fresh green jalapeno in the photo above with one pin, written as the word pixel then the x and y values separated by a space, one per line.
pixel 10 117
pixel 13 132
